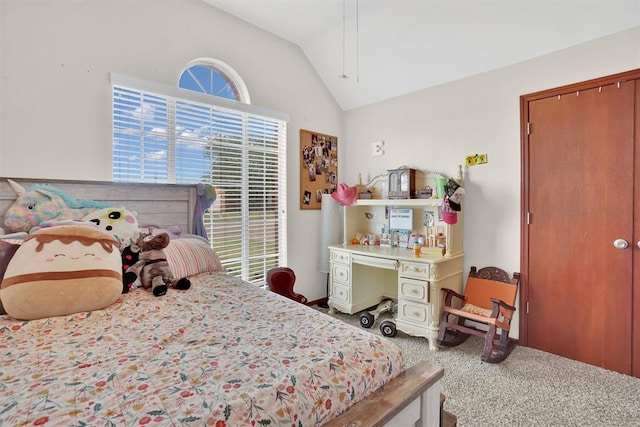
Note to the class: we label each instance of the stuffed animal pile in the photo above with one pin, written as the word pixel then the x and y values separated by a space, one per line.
pixel 42 206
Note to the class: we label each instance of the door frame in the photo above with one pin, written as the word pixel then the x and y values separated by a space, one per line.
pixel 524 190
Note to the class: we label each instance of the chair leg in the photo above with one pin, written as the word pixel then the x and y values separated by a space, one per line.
pixel 448 335
pixel 497 352
pixel 460 336
pixel 504 340
pixel 489 339
pixel 442 331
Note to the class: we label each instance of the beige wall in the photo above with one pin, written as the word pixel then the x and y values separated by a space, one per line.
pixel 434 129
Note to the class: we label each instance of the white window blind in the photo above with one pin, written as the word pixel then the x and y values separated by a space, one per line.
pixel 166 134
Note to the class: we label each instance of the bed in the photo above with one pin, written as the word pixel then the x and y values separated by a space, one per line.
pixel 222 353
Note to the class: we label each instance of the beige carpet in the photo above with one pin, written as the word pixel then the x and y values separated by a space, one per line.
pixel 529 388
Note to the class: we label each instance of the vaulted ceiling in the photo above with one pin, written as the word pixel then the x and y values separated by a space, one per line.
pixel 387 48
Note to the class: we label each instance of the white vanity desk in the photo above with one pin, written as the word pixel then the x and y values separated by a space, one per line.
pixel 361 276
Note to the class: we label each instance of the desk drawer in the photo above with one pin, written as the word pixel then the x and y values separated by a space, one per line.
pixel 341 293
pixel 340 273
pixel 387 264
pixel 416 290
pixel 419 270
pixel 340 256
pixel 414 312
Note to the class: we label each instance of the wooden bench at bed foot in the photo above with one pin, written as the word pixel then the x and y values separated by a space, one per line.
pixel 447 419
pixel 410 399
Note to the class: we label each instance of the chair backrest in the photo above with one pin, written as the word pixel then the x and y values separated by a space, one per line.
pixel 491 282
pixel 281 280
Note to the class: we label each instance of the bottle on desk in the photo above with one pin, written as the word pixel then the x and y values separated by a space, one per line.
pixel 416 248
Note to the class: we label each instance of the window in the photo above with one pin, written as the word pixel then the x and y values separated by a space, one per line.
pixel 167 134
pixel 214 78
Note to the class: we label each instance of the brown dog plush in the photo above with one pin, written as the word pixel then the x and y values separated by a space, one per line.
pixel 152 266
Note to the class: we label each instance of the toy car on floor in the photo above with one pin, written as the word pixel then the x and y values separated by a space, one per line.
pixel 368 318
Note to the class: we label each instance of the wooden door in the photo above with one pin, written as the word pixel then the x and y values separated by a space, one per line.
pixel 577 200
pixel 636 241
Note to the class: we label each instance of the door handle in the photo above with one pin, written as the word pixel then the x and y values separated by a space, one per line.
pixel 622 244
pixel 638 244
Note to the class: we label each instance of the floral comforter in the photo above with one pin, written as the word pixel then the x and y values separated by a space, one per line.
pixel 222 353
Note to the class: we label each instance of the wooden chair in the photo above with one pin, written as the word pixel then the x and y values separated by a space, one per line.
pixel 281 281
pixel 489 299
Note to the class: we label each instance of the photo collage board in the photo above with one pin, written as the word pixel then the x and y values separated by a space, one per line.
pixel 318 167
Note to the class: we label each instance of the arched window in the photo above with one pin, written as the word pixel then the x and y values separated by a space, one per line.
pixel 169 134
pixel 213 77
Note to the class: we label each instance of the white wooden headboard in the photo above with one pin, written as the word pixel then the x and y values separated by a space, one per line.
pixel 155 204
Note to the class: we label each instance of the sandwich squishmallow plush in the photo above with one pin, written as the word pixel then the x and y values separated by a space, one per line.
pixel 62 270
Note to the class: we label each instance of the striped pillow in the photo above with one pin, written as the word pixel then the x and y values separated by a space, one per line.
pixel 191 255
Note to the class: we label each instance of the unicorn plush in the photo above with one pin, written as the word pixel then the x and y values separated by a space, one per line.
pixel 43 202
